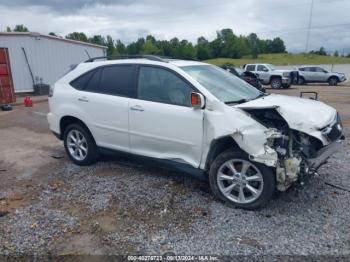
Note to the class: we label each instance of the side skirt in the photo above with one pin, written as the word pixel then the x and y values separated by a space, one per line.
pixel 182 169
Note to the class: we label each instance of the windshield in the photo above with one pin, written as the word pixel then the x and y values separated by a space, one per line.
pixel 223 85
pixel 271 66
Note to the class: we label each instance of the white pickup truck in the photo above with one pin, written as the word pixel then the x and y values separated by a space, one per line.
pixel 269 75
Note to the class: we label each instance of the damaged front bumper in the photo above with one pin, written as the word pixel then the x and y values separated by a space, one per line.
pixel 324 153
pixel 290 169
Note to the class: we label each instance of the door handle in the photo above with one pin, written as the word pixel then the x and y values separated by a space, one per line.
pixel 137 108
pixel 83 99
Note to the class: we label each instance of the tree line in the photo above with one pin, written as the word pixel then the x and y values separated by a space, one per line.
pixel 226 44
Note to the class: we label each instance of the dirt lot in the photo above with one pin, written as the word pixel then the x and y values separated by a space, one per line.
pixel 120 206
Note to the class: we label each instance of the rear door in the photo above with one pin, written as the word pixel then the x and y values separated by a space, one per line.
pixel 162 122
pixel 312 75
pixel 104 99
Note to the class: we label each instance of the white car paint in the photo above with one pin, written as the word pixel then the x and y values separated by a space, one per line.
pixel 179 133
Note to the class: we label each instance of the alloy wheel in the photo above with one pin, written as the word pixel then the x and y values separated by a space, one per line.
pixel 240 181
pixel 77 145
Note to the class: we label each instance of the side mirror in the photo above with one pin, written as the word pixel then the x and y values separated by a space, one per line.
pixel 197 100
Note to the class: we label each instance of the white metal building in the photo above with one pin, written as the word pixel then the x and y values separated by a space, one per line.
pixel 35 58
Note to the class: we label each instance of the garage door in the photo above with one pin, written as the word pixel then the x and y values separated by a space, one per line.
pixel 7 92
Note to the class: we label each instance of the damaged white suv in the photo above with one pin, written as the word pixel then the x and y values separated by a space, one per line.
pixel 196 115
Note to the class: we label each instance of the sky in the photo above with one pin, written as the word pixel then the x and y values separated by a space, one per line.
pixel 128 20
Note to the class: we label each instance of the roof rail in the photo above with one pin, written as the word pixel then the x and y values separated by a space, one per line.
pixel 149 57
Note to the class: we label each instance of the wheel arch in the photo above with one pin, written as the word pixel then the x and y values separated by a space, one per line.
pixel 68 120
pixel 218 146
pixel 333 76
pixel 274 76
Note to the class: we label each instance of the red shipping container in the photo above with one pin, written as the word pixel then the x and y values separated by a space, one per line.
pixel 7 91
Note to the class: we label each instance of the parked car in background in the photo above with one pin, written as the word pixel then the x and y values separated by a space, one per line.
pixel 247 76
pixel 316 74
pixel 197 116
pixel 269 75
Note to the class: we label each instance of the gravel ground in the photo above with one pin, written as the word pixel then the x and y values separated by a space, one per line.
pixel 150 210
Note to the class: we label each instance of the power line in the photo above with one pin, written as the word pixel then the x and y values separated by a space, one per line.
pixel 309 26
pixel 302 28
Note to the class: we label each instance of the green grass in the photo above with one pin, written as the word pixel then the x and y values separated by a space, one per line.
pixel 282 59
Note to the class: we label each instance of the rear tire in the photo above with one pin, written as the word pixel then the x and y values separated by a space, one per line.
pixel 276 83
pixel 301 81
pixel 333 81
pixel 79 144
pixel 285 86
pixel 232 174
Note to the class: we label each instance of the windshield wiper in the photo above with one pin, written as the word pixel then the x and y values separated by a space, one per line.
pixel 240 101
pixel 260 95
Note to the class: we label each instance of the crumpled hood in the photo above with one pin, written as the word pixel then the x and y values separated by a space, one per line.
pixel 301 114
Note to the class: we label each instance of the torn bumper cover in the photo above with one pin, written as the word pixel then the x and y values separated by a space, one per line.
pixel 324 153
pixel 289 167
pixel 288 171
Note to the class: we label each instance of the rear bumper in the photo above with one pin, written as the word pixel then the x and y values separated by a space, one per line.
pixel 53 123
pixel 324 153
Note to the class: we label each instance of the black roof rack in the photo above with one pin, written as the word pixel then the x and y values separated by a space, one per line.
pixel 149 57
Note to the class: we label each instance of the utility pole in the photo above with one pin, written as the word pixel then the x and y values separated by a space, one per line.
pixel 309 26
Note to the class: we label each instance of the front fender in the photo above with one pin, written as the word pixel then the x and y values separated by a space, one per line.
pixel 251 136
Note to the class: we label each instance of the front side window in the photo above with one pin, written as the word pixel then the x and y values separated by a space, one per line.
pixel 223 85
pixel 262 68
pixel 271 67
pixel 320 70
pixel 160 85
pixel 312 69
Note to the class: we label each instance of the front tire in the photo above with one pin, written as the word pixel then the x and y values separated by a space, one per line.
pixel 333 81
pixel 240 182
pixel 276 83
pixel 80 145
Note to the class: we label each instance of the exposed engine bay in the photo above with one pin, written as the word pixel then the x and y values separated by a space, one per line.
pixel 299 154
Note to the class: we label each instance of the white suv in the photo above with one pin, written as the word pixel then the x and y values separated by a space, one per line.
pixel 196 115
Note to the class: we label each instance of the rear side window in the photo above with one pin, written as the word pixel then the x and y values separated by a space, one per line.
pixel 94 82
pixel 250 68
pixel 312 69
pixel 80 82
pixel 116 80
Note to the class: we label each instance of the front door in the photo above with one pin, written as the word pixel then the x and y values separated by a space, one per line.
pixel 263 73
pixel 162 123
